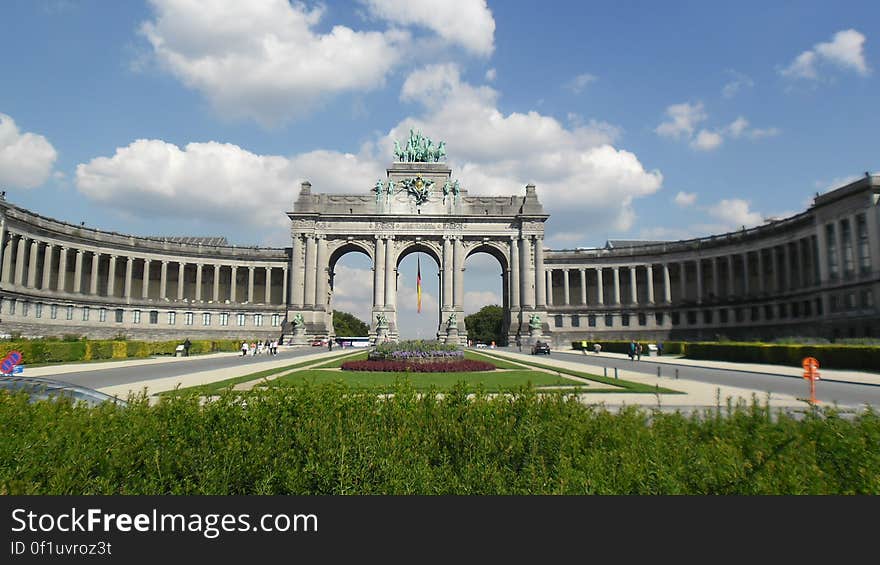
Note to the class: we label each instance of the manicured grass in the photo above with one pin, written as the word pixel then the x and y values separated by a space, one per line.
pixel 336 363
pixel 500 363
pixel 489 381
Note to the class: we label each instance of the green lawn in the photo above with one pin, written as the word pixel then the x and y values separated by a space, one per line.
pixel 490 381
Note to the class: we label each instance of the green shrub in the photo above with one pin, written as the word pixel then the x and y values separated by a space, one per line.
pixel 858 357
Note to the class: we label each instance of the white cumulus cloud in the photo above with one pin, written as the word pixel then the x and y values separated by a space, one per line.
pixel 707 140
pixel 468 23
pixel 26 159
pixel 578 83
pixel 264 59
pixel 685 199
pixel 735 213
pixel 683 120
pixel 846 50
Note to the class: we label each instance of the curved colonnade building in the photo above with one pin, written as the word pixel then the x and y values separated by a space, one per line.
pixel 816 273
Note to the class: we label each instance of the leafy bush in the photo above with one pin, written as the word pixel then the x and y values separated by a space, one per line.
pixel 52 350
pixel 859 357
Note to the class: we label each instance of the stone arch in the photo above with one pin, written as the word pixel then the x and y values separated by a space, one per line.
pixel 338 249
pixel 415 246
pixel 497 249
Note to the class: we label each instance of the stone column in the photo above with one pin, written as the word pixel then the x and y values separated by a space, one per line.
pixel 796 277
pixel 633 287
pixel 145 281
pixel 566 294
pixel 181 283
pixel 93 283
pixel 458 290
pixel 515 274
pixel 47 266
pixel 296 272
pixel 111 276
pixel 19 262
pixel 540 290
pixel 198 296
pixel 7 259
pixel 746 274
pixel 583 286
pixel 268 297
pixel 322 274
pixel 232 284
pixel 762 283
pixel 600 287
pixel 549 286
pixel 699 264
pixel 378 275
pixel 250 288
pixel 129 266
pixel 786 268
pixel 525 256
pixel 667 285
pixel 447 274
pixel 682 269
pixel 309 276
pixel 3 236
pixel 32 263
pixel 77 271
pixel 215 295
pixel 163 281
pixel 62 269
pixel 616 271
pixel 390 275
pixel 731 282
pixel 284 287
pixel 822 249
pixel 872 223
pixel 716 282
pixel 649 273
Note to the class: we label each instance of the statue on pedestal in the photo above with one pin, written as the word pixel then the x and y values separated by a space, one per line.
pixel 452 322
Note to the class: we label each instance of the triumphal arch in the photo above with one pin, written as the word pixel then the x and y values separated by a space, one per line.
pixel 418 207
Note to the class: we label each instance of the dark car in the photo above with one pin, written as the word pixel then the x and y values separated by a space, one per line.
pixel 541 348
pixel 43 389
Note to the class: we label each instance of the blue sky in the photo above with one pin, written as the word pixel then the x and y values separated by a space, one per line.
pixel 635 120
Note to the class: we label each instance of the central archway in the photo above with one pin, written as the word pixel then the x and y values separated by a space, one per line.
pixel 489 262
pixel 409 322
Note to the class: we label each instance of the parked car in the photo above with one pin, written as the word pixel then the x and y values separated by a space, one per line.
pixel 320 342
pixel 480 345
pixel 43 389
pixel 541 348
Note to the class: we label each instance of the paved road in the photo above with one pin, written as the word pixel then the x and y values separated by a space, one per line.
pixel 132 374
pixel 827 392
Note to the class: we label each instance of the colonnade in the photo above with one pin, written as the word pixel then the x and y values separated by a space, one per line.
pixel 32 263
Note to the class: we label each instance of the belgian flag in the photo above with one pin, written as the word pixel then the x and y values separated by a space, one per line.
pixel 419 284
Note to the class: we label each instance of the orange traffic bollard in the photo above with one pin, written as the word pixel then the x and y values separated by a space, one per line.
pixel 811 373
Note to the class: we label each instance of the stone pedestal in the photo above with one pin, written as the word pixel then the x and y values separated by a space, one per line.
pixel 299 336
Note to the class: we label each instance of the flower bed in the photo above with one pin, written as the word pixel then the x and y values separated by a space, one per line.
pixel 418 352
pixel 421 366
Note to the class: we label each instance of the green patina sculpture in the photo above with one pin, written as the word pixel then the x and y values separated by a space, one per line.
pixel 535 322
pixel 298 321
pixel 381 321
pixel 378 190
pixel 452 322
pixel 419 149
pixel 418 188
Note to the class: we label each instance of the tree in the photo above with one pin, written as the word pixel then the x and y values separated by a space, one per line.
pixel 486 325
pixel 347 325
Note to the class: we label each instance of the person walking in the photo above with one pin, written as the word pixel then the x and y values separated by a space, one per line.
pixel 518 343
pixel 597 348
pixel 244 348
pixel 186 345
pixel 584 346
pixel 638 352
pixel 632 350
pixel 659 348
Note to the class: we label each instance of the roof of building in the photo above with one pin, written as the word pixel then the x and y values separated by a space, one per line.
pixel 618 243
pixel 219 240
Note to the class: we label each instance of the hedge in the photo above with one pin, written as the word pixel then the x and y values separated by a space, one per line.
pixel 621 346
pixel 52 351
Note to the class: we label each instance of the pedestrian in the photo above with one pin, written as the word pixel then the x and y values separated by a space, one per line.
pixel 518 343
pixel 253 349
pixel 275 347
pixel 632 350
pixel 659 348
pixel 186 345
pixel 244 348
pixel 597 347
pixel 584 346
pixel 638 352
pixel 267 346
pixel 330 345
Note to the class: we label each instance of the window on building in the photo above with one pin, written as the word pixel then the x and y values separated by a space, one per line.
pixel 102 315
pixel 172 318
pixel 795 310
pixel 53 311
pixel 867 298
pixel 119 315
pixel 258 319
pixel 643 319
pixel 848 255
pixel 833 303
pixel 658 318
pixel 707 316
pixel 692 317
pixel 557 321
pixel 241 319
pixel 276 320
pixel 783 311
pixel 755 314
pixel 86 313
pixel 188 318
pixel 676 318
pixel 38 310
pixel 831 246
pixel 768 311
pixel 206 319
pixel 864 250
pixel 624 319
pixel 850 300
pixel 70 312
pixel 154 316
pixel 591 320
pixel 609 320
pixel 819 307
pixel 575 321
pixel 135 316
pixel 224 319
pixel 25 307
pixel 807 310
pixel 739 314
pixel 722 315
